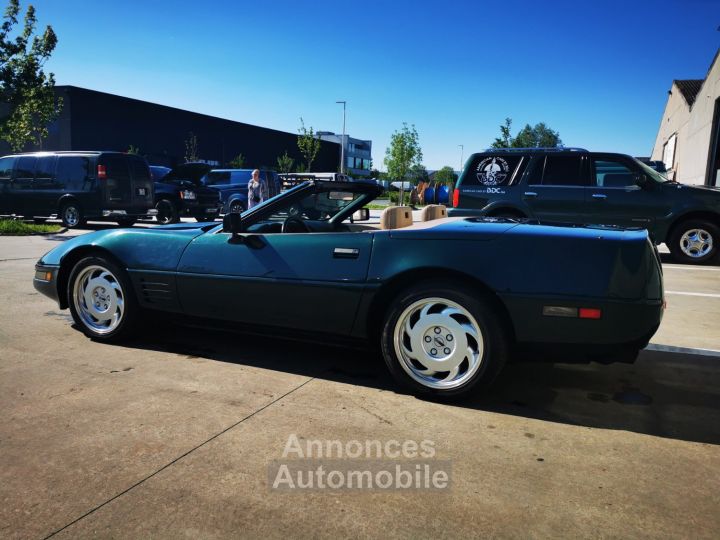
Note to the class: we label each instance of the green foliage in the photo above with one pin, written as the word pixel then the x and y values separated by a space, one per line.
pixel 308 144
pixel 238 162
pixel 24 85
pixel 285 163
pixel 15 227
pixel 191 148
pixel 132 149
pixel 403 153
pixel 446 175
pixel 418 173
pixel 529 137
pixel 395 197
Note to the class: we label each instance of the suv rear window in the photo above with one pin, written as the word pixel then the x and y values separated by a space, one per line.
pixel 493 170
pixel 558 171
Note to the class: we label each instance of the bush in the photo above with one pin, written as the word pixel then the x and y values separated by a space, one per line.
pixel 395 197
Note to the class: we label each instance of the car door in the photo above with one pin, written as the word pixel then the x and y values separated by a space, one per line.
pixel 6 193
pixel 555 188
pixel 23 197
pixel 616 198
pixel 306 281
pixel 46 190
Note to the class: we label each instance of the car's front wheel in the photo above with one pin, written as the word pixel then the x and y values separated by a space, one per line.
pixel 694 241
pixel 101 300
pixel 443 340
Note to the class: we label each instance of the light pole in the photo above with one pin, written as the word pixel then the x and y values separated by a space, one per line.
pixel 342 146
pixel 462 152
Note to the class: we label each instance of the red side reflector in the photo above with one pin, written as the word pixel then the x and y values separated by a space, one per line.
pixel 589 313
pixel 456 198
pixel 101 172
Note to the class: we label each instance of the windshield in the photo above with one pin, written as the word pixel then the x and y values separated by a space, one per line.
pixel 652 173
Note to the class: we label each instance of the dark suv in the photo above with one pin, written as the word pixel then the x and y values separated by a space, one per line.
pixel 232 184
pixel 574 186
pixel 179 192
pixel 76 186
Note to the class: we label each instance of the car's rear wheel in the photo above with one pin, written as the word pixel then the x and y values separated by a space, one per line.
pixel 167 212
pixel 71 215
pixel 694 241
pixel 101 299
pixel 443 340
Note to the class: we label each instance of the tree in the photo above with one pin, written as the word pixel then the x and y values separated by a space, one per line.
pixel 132 149
pixel 238 162
pixel 529 137
pixel 191 148
pixel 24 87
pixel 403 153
pixel 308 144
pixel 285 163
pixel 418 173
pixel 446 175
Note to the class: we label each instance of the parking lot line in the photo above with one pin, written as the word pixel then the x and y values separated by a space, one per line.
pixel 686 293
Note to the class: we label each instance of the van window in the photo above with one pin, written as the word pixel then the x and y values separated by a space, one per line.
pixel 140 170
pixel 25 169
pixel 214 178
pixel 493 170
pixel 6 167
pixel 45 169
pixel 240 177
pixel 116 167
pixel 73 172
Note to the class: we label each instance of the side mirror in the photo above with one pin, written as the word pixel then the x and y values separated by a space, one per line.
pixel 232 223
pixel 641 180
pixel 361 215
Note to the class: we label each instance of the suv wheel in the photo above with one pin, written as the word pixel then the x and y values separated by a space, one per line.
pixel 71 215
pixel 101 299
pixel 443 340
pixel 167 213
pixel 694 241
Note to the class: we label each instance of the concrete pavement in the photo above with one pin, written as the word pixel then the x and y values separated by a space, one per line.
pixel 172 436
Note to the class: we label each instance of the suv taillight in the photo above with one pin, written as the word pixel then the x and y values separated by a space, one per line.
pixel 101 172
pixel 456 198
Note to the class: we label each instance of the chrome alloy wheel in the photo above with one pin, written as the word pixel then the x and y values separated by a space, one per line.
pixel 71 216
pixel 438 343
pixel 696 243
pixel 99 299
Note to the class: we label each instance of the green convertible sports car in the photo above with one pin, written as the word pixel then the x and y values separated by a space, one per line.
pixel 447 300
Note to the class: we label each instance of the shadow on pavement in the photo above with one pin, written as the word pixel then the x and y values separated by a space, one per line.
pixel 663 394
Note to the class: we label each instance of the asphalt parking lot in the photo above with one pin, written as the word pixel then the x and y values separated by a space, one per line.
pixel 172 436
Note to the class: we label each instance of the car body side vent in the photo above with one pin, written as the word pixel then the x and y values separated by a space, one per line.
pixel 156 291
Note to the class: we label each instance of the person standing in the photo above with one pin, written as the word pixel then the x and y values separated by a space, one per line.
pixel 256 190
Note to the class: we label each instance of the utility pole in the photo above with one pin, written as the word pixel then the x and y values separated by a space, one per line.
pixel 342 146
pixel 462 152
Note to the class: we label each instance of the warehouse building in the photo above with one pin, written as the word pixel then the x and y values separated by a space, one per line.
pixel 92 120
pixel 688 140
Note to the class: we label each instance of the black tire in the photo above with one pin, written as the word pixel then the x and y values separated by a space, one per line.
pixel 130 314
pixel 128 222
pixel 237 207
pixel 495 346
pixel 694 241
pixel 167 212
pixel 71 215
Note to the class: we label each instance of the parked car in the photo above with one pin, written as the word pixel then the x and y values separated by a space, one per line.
pixel 179 192
pixel 289 180
pixel 574 186
pixel 232 184
pixel 446 300
pixel 76 186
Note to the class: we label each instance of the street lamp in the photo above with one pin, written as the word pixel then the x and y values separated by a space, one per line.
pixel 342 146
pixel 462 151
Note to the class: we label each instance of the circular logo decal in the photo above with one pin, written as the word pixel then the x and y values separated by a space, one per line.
pixel 492 171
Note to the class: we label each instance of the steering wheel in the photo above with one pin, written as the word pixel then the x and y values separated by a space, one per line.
pixel 294 224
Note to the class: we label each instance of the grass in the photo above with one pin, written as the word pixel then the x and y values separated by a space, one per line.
pixel 15 227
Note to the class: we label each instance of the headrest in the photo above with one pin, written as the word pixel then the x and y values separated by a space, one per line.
pixel 396 217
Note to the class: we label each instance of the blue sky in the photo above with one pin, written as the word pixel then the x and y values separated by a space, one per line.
pixel 598 72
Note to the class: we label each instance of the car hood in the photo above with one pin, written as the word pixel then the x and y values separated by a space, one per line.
pixel 711 191
pixel 154 248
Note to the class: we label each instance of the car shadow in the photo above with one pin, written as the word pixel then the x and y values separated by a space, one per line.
pixel 664 394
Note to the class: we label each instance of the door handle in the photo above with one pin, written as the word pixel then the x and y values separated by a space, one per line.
pixel 599 196
pixel 346 253
pixel 529 194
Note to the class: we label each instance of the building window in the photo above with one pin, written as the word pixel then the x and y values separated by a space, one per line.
pixel 669 152
pixel 350 162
